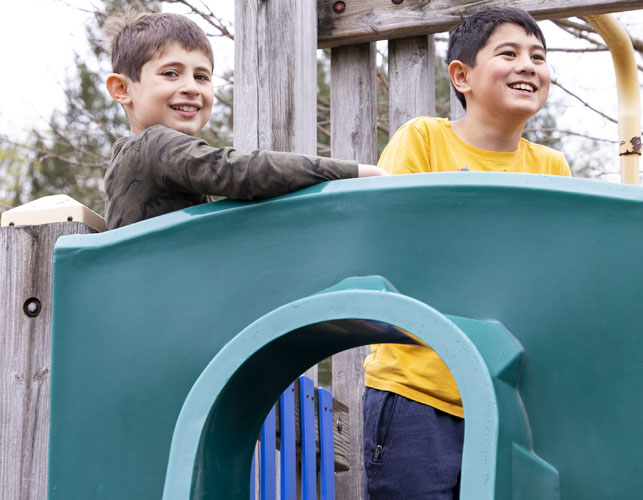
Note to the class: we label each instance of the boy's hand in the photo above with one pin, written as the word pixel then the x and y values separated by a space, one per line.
pixel 369 170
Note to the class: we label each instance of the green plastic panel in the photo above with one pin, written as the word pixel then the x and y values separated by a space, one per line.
pixel 526 285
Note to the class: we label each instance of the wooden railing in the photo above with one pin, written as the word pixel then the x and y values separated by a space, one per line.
pixel 302 444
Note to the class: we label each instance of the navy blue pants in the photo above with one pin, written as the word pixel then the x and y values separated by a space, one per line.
pixel 411 451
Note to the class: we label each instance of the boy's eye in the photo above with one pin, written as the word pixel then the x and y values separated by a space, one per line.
pixel 170 73
pixel 538 57
pixel 202 77
pixel 509 53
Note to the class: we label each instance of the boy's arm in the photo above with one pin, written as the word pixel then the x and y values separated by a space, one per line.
pixel 183 163
pixel 407 152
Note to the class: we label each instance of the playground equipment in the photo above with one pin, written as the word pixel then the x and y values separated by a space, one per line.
pixel 629 94
pixel 152 358
pixel 165 332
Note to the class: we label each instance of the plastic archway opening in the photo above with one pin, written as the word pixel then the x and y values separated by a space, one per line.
pixel 216 430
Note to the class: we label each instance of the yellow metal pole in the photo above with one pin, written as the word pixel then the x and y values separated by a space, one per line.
pixel 629 100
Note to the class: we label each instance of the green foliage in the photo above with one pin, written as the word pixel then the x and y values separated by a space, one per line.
pixel 71 156
pixel 12 177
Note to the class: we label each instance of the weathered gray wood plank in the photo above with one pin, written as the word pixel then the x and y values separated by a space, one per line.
pixel 371 20
pixel 275 85
pixel 26 273
pixel 353 113
pixel 353 117
pixel 411 79
pixel 348 387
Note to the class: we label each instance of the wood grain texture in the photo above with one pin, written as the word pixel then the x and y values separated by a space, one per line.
pixel 275 68
pixel 348 387
pixel 411 79
pixel 372 20
pixel 353 104
pixel 353 137
pixel 25 347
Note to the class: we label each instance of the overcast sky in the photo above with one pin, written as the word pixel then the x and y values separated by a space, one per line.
pixel 40 37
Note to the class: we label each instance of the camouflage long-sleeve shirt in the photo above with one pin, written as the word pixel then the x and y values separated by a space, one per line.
pixel 161 170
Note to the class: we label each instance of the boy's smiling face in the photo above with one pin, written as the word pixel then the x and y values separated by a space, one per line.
pixel 175 90
pixel 511 75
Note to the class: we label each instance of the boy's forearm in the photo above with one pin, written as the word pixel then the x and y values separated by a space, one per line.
pixel 188 164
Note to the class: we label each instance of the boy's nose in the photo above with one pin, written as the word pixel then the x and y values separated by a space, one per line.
pixel 190 87
pixel 526 65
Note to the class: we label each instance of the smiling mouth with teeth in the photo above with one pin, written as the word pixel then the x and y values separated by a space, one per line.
pixel 185 108
pixel 522 86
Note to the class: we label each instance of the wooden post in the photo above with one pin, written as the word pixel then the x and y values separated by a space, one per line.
pixel 275 106
pixel 25 332
pixel 411 79
pixel 353 117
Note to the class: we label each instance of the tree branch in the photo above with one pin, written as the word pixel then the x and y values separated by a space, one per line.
pixel 208 16
pixel 584 103
pixel 570 132
pixel 46 154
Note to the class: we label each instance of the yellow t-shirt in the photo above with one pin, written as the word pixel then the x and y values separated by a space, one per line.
pixel 427 144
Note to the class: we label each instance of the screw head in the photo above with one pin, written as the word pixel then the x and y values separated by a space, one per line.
pixel 32 307
pixel 397 2
pixel 339 7
pixel 340 425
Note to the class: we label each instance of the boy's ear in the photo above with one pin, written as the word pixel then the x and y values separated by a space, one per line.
pixel 118 87
pixel 459 74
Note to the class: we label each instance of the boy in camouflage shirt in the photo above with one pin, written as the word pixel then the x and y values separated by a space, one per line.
pixel 162 77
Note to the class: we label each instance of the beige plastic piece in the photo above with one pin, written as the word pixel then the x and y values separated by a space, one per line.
pixel 56 208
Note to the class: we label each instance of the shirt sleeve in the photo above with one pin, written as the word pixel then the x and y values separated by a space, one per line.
pixel 183 163
pixel 407 152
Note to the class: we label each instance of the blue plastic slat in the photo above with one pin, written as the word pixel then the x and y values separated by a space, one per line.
pixel 288 453
pixel 308 452
pixel 267 477
pixel 326 445
pixel 253 471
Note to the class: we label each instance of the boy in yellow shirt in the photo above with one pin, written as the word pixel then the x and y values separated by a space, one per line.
pixel 413 417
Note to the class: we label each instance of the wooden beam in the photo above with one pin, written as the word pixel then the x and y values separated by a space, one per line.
pixel 275 105
pixel 353 115
pixel 371 20
pixel 411 79
pixel 353 103
pixel 25 331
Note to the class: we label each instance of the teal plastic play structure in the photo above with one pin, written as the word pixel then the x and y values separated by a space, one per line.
pixel 173 337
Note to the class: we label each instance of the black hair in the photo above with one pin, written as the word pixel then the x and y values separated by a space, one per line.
pixel 473 33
